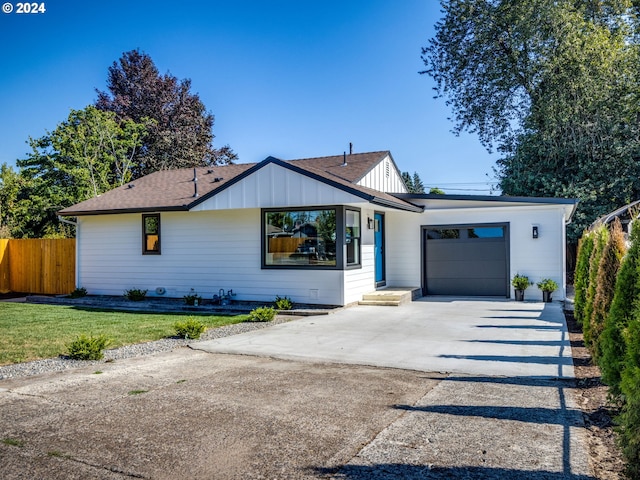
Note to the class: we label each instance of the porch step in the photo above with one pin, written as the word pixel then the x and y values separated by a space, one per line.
pixel 390 297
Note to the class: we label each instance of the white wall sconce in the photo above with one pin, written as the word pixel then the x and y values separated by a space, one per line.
pixel 370 223
pixel 535 231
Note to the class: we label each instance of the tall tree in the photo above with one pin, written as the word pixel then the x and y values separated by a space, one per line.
pixel 413 182
pixel 180 132
pixel 89 153
pixel 553 85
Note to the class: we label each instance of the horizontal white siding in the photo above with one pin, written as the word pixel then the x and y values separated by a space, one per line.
pixel 359 281
pixel 275 186
pixel 539 258
pixel 206 251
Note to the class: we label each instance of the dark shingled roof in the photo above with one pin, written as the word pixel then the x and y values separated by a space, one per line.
pixel 173 190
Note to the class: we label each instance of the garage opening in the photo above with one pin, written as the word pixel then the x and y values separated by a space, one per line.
pixel 466 260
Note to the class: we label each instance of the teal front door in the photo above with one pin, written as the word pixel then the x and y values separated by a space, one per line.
pixel 378 242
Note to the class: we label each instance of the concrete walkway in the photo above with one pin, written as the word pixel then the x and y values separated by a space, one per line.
pixel 471 336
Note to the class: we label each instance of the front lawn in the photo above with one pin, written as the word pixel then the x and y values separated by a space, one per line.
pixel 29 331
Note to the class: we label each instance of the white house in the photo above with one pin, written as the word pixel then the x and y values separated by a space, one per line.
pixel 321 230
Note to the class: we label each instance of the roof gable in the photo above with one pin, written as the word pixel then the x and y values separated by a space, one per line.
pixel 172 190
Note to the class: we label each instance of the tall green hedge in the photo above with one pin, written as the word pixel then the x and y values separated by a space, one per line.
pixel 608 268
pixel 629 419
pixel 581 277
pixel 627 292
pixel 601 236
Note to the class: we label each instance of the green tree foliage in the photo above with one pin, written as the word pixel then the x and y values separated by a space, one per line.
pixel 180 134
pixel 608 268
pixel 581 277
pixel 436 190
pixel 89 153
pixel 10 184
pixel 600 238
pixel 627 292
pixel 553 86
pixel 413 182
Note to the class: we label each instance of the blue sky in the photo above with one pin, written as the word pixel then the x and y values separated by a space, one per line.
pixel 291 79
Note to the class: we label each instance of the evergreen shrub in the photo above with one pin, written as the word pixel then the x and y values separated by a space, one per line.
pixel 608 268
pixel 581 276
pixel 88 348
pixel 601 235
pixel 626 294
pixel 190 328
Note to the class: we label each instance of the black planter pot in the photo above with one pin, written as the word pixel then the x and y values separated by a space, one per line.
pixel 519 295
pixel 546 297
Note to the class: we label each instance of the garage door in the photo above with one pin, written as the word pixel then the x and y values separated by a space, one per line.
pixel 466 260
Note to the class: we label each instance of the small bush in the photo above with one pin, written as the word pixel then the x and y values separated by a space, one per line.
pixel 88 348
pixel 135 294
pixel 262 314
pixel 78 293
pixel 190 328
pixel 520 282
pixel 283 303
pixel 547 285
pixel 193 298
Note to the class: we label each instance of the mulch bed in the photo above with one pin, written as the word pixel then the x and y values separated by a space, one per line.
pixel 606 458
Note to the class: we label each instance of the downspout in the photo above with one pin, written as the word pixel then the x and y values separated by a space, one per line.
pixel 68 222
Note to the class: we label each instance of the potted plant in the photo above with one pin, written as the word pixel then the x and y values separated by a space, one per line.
pixel 520 284
pixel 547 286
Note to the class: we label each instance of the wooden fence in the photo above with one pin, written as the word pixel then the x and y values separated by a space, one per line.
pixel 46 266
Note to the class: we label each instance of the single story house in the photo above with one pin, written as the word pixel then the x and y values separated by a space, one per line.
pixel 319 230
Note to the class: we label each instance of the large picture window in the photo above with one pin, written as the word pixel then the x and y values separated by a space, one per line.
pixel 151 234
pixel 300 238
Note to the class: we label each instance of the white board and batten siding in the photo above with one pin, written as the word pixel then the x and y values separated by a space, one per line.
pixel 539 258
pixel 384 177
pixel 276 186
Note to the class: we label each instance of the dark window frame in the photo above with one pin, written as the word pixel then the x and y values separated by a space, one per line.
pixel 341 246
pixel 145 250
pixel 358 264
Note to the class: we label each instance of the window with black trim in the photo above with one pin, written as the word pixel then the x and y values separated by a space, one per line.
pixel 151 234
pixel 300 238
pixel 352 236
pixel 313 238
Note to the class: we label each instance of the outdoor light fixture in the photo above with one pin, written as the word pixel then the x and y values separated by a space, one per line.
pixel 534 231
pixel 370 223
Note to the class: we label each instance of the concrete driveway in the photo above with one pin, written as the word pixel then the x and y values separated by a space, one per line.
pixel 198 415
pixel 433 334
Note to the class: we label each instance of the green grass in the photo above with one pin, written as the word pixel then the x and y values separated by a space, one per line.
pixel 13 442
pixel 137 392
pixel 29 332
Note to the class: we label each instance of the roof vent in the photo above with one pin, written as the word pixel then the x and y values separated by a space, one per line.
pixel 195 184
pixel 131 185
pixel 350 148
pixel 209 171
pixel 344 159
pixel 218 179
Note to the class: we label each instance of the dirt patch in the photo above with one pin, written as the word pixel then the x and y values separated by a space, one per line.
pixel 605 456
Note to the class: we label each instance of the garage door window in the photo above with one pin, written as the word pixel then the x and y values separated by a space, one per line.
pixel 485 232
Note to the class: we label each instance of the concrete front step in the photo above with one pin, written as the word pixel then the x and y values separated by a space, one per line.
pixel 391 297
